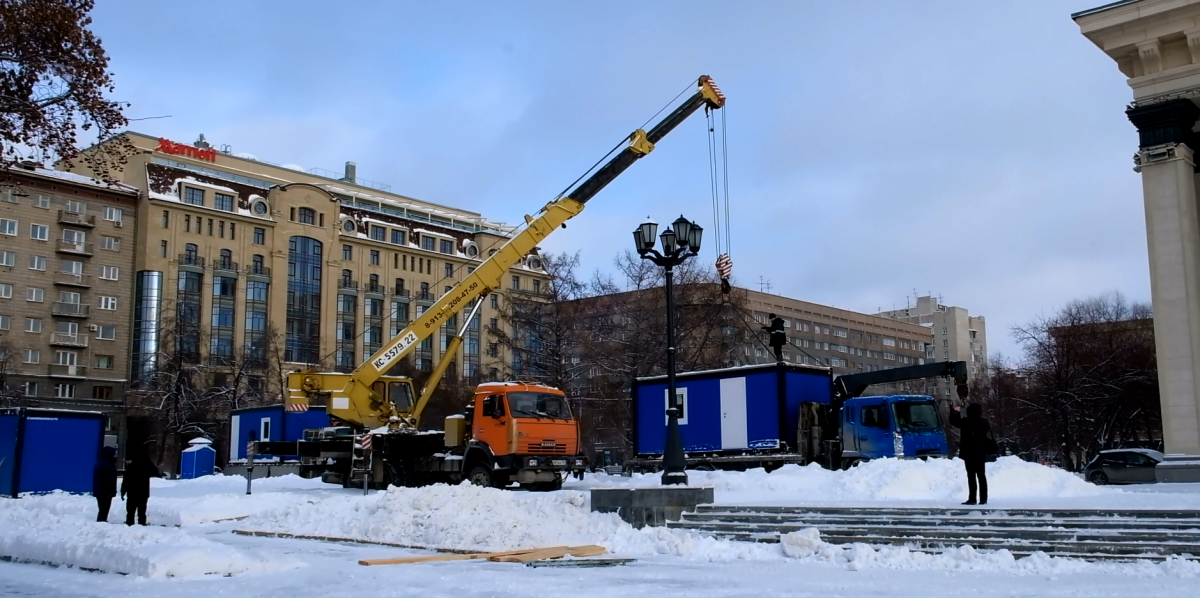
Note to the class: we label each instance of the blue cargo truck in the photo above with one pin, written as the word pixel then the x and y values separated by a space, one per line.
pixel 771 415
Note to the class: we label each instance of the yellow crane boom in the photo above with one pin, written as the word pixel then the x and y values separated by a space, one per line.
pixel 350 397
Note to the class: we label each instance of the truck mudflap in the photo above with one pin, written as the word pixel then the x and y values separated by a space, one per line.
pixel 768 461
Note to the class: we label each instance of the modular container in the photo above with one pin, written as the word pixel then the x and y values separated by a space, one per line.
pixel 42 450
pixel 751 408
pixel 271 423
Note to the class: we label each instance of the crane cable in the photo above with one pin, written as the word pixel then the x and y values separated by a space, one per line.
pixel 718 170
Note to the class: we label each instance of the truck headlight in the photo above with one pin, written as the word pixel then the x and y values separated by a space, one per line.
pixel 558 462
pixel 579 463
pixel 531 463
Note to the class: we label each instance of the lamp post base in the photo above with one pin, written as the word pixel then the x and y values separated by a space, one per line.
pixel 671 478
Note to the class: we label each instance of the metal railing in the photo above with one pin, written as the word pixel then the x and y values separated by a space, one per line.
pixel 374 287
pixel 73 278
pixel 400 292
pixel 225 265
pixel 346 283
pixel 259 270
pixel 69 340
pixel 66 246
pixel 72 218
pixel 78 371
pixel 191 259
pixel 74 310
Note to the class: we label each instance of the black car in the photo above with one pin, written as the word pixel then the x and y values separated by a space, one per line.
pixel 1123 466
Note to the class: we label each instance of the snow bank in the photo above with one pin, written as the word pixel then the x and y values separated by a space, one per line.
pixel 41 531
pixel 940 482
pixel 470 517
pixel 806 545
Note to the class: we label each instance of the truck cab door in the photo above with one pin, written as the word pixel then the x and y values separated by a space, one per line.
pixel 490 424
pixel 850 447
pixel 874 432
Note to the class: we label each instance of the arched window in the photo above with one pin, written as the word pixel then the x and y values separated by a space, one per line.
pixel 307 216
pixel 347 275
pixel 226 259
pixel 189 250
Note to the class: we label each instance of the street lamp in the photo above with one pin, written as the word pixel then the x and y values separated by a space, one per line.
pixel 679 241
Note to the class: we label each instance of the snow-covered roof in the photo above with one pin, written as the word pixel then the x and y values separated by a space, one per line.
pixel 78 179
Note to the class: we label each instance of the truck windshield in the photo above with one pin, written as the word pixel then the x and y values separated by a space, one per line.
pixel 538 404
pixel 917 416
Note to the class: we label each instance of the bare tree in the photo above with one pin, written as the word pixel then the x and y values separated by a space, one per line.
pixel 1088 381
pixel 53 84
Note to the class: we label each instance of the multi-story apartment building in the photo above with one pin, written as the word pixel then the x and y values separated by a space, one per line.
pixel 957 335
pixel 840 339
pixel 66 265
pixel 235 253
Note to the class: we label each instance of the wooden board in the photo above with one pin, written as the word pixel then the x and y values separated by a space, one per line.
pixel 454 557
pixel 342 539
pixel 550 553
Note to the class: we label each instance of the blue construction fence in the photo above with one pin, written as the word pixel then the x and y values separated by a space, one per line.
pixel 43 450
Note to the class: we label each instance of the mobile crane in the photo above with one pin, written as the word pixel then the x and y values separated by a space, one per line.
pixel 511 431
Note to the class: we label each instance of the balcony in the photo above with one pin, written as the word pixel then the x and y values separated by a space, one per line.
pixel 70 310
pixel 73 248
pixel 63 339
pixel 348 284
pixel 191 259
pixel 425 296
pixel 227 265
pixel 259 270
pixel 73 219
pixel 374 287
pixel 67 371
pixel 400 292
pixel 73 279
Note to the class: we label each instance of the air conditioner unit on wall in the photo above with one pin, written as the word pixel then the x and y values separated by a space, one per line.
pixel 117 224
pixel 93 327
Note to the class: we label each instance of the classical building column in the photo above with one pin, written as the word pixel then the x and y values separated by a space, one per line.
pixel 1165 160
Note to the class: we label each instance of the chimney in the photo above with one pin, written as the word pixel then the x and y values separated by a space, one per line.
pixel 350 173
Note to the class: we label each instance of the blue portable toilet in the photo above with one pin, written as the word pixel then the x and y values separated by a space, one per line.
pixel 198 459
pixel 42 450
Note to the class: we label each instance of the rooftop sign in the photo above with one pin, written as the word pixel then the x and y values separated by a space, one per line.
pixel 167 146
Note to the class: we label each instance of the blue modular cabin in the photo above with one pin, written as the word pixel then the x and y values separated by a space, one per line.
pixel 42 450
pixel 271 423
pixel 751 408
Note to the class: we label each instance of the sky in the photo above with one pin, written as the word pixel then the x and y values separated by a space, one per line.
pixel 876 150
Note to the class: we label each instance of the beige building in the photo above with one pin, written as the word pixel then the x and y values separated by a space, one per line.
pixel 1156 47
pixel 66 266
pixel 237 255
pixel 957 335
pixel 846 341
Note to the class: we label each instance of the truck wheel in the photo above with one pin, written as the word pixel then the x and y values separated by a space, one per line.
pixel 392 476
pixel 847 464
pixel 481 475
pixel 705 467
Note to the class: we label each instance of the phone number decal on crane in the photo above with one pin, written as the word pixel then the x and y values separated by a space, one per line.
pixel 405 341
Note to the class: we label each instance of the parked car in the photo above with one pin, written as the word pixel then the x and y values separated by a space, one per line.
pixel 1123 466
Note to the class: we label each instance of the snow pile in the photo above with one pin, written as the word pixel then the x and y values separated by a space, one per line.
pixel 46 531
pixel 891 481
pixel 474 518
pixel 807 545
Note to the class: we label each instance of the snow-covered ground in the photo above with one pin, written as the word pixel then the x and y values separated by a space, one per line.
pixel 191 550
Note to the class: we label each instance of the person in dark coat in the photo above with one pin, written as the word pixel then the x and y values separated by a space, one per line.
pixel 104 481
pixel 778 337
pixel 973 449
pixel 136 484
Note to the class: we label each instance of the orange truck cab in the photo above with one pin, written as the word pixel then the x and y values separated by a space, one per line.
pixel 522 432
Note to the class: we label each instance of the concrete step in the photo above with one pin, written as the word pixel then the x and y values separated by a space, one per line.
pixel 810 519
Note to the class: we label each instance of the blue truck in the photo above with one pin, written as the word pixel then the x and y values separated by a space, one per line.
pixel 772 415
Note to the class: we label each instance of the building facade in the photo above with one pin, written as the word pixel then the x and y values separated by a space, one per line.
pixel 66 270
pixel 957 335
pixel 238 258
pixel 843 340
pixel 1156 47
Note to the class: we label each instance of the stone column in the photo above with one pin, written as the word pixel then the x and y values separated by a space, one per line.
pixel 1166 163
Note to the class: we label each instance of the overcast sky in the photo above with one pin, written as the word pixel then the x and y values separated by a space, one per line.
pixel 975 150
